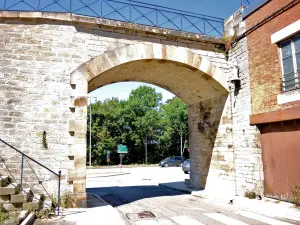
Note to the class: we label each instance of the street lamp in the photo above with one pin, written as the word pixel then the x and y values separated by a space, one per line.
pixel 90 153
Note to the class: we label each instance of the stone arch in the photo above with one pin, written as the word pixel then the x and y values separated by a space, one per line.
pixel 200 83
pixel 144 53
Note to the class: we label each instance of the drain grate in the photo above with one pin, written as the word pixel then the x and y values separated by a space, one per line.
pixel 141 215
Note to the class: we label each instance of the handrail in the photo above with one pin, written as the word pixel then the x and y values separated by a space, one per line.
pixel 25 156
pixel 29 157
pixel 131 11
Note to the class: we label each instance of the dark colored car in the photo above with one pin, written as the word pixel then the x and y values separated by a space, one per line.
pixel 186 166
pixel 171 161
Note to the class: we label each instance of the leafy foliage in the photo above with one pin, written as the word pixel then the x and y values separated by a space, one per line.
pixel 3 214
pixel 142 123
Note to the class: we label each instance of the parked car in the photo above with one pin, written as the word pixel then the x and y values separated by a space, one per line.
pixel 186 166
pixel 171 161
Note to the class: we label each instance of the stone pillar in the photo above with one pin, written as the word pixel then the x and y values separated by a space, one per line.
pixel 77 142
pixel 211 152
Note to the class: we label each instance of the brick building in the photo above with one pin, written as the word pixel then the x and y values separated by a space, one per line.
pixel 273 40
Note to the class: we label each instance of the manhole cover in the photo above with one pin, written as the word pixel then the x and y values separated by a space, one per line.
pixel 141 215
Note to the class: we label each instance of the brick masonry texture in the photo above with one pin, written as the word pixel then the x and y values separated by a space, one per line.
pixel 264 57
pixel 43 70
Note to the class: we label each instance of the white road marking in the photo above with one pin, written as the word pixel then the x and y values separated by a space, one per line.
pixel 262 218
pixel 165 222
pixel 224 219
pixel 147 222
pixel 183 220
pixel 191 208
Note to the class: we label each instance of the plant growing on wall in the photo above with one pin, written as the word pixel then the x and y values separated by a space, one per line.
pixel 44 142
pixel 228 41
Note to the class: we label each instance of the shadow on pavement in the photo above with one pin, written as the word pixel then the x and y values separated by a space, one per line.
pixel 117 196
pixel 180 186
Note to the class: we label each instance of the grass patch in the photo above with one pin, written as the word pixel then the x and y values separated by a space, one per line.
pixel 296 195
pixel 250 194
pixel 66 201
pixel 44 214
pixel 3 214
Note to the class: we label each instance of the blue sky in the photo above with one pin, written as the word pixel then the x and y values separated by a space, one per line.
pixel 217 8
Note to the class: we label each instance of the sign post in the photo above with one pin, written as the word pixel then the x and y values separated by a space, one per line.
pixel 108 157
pixel 122 149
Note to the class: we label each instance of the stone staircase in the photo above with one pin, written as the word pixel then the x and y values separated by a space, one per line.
pixel 23 204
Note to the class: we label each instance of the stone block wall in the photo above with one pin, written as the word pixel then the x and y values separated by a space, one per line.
pixel 210 128
pixel 246 141
pixel 37 96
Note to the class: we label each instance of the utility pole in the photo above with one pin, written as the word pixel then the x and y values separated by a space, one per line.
pixel 90 153
pixel 181 152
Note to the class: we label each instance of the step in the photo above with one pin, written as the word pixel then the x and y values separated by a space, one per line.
pixel 4 181
pixel 18 220
pixel 12 207
pixel 25 196
pixel 36 203
pixel 22 216
pixel 11 189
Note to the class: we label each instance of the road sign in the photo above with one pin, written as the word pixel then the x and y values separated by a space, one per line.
pixel 122 149
pixel 186 144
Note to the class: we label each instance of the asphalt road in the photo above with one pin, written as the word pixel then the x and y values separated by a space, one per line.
pixel 136 194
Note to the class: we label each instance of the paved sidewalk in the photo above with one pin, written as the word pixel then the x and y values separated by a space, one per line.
pixel 98 212
pixel 265 206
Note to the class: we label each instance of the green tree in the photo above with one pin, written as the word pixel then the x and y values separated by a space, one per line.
pixel 143 105
pixel 150 130
pixel 176 114
pixel 107 128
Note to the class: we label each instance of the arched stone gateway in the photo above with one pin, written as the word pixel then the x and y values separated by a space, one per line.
pixel 197 81
pixel 39 51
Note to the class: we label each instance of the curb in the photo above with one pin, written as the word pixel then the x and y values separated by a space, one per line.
pixel 98 197
pixel 112 175
pixel 175 189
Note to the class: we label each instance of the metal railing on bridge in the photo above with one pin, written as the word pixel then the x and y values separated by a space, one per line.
pixel 127 11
